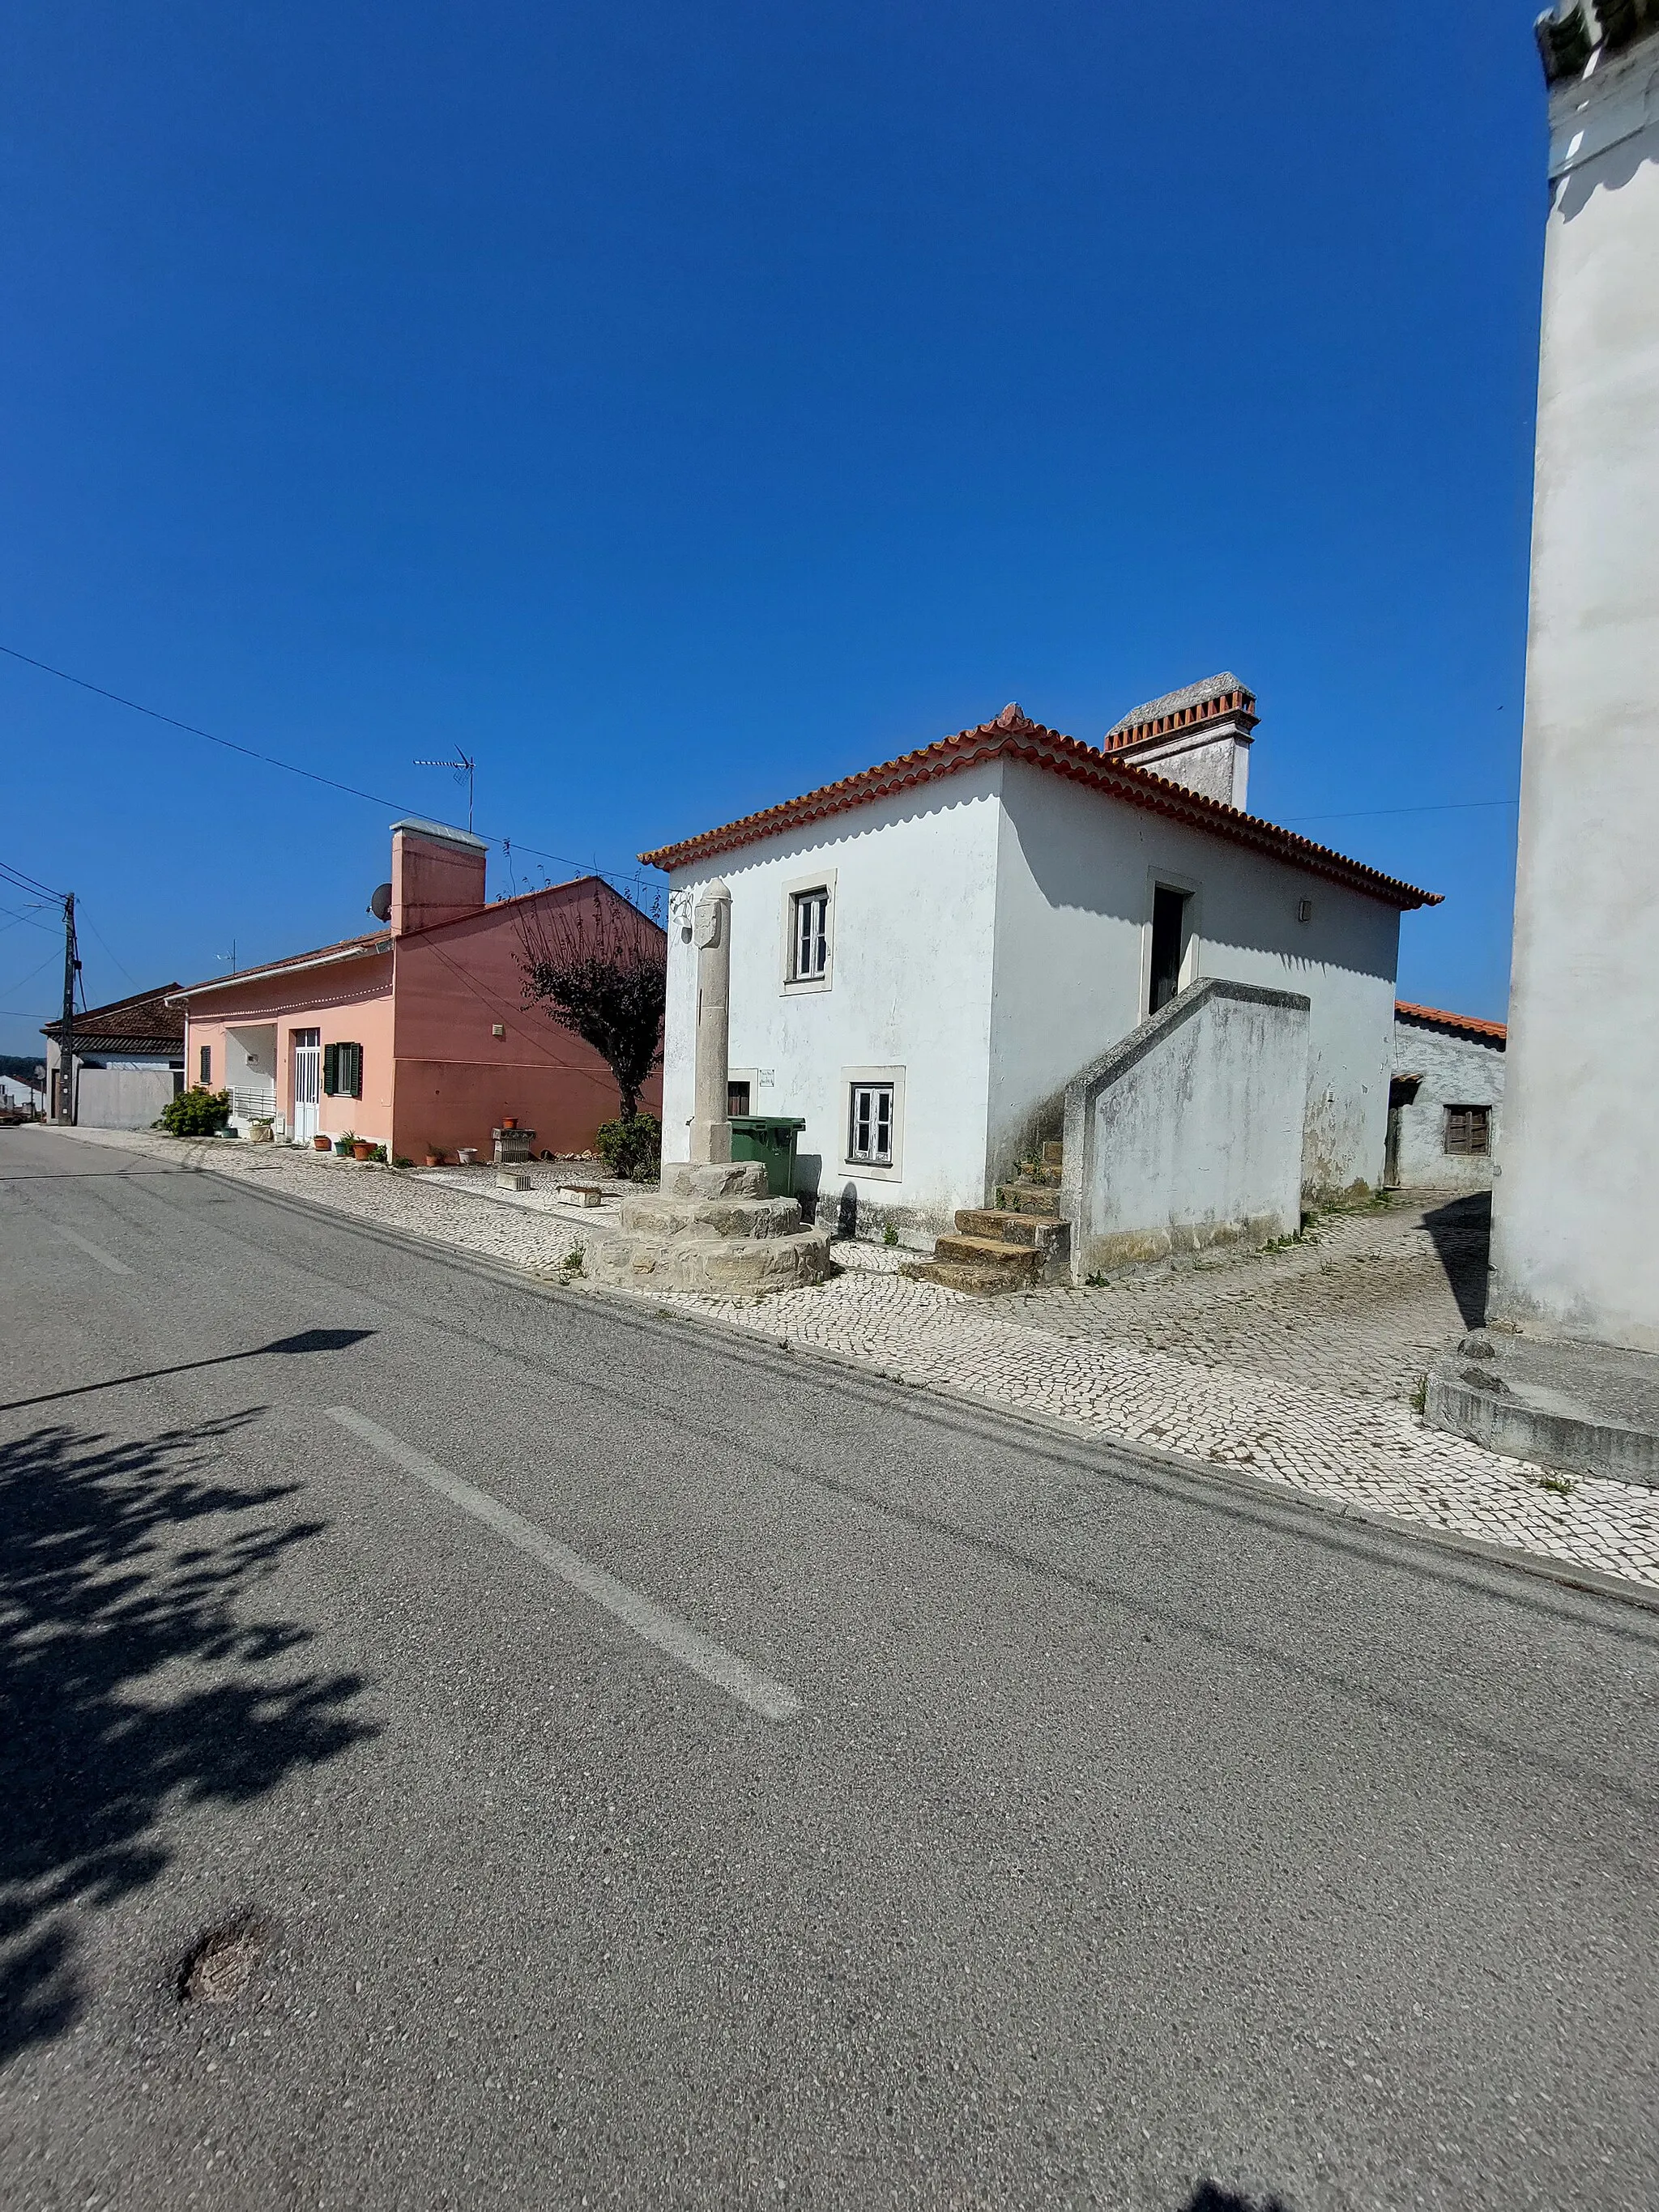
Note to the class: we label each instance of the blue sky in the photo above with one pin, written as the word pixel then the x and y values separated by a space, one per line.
pixel 679 408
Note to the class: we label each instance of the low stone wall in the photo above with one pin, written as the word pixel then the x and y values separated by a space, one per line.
pixel 1188 1132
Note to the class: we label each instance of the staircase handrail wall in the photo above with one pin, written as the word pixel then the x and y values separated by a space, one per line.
pixel 1188 1132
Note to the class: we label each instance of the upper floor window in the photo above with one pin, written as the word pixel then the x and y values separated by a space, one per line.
pixel 1469 1128
pixel 809 935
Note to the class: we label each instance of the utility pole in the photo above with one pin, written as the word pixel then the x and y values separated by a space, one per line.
pixel 66 1041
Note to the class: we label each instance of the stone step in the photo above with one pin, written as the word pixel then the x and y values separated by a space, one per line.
pixel 1037 1198
pixel 983 1282
pixel 1007 1225
pixel 1016 1264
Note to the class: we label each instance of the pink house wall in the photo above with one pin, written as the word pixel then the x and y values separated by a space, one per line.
pixel 424 1009
pixel 455 1079
pixel 349 1002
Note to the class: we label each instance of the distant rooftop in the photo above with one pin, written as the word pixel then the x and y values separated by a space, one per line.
pixel 1438 1018
pixel 1569 34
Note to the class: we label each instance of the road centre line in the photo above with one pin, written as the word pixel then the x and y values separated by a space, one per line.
pixel 772 1700
pixel 94 1251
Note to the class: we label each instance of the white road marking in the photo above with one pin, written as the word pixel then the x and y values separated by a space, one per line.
pixel 94 1251
pixel 770 1699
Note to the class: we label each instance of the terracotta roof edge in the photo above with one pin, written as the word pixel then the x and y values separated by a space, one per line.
pixel 1026 740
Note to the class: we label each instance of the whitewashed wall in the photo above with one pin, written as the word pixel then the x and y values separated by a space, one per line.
pixel 121 1095
pixel 992 937
pixel 1189 1133
pixel 1576 1236
pixel 1455 1072
pixel 1077 871
pixel 914 883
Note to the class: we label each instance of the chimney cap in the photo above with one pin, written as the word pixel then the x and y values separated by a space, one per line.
pixel 442 832
pixel 1212 689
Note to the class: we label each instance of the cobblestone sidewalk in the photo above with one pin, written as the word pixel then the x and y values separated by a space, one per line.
pixel 1296 1367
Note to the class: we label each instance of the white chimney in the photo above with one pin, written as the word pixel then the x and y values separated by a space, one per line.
pixel 1199 738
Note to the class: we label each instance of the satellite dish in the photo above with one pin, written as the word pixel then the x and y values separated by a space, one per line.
pixel 380 905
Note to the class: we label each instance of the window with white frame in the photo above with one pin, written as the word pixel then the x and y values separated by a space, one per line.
pixel 869 1124
pixel 809 934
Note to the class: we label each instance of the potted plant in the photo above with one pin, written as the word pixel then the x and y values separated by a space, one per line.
pixel 343 1144
pixel 361 1149
pixel 509 1121
pixel 322 1144
pixel 435 1158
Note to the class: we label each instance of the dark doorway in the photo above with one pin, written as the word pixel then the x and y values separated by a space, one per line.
pixel 1169 943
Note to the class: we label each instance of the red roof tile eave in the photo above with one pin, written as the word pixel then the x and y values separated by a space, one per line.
pixel 378 941
pixel 1469 1024
pixel 1060 755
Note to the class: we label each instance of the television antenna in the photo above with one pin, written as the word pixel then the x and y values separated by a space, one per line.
pixel 464 767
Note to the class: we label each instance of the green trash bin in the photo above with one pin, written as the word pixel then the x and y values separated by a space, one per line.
pixel 770 1139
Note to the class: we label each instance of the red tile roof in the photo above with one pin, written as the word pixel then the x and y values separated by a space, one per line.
pixel 141 1022
pixel 349 948
pixel 380 940
pixel 1013 736
pixel 1464 1024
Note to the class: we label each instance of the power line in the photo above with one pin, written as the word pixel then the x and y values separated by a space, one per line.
pixel 29 978
pixel 269 760
pixel 28 883
pixel 82 915
pixel 1364 813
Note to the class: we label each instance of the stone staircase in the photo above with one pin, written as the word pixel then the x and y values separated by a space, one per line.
pixel 1010 1246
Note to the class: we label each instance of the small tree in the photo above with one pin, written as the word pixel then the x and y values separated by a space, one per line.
pixel 600 969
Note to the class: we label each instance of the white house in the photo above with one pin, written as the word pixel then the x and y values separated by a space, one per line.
pixel 1575 1235
pixel 129 1059
pixel 1445 1100
pixel 928 956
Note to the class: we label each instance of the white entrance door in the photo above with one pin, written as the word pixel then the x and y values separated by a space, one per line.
pixel 307 1082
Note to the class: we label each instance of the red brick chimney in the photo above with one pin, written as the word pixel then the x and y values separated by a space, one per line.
pixel 437 875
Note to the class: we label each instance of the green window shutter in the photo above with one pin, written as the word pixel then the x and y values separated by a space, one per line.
pixel 354 1070
pixel 331 1064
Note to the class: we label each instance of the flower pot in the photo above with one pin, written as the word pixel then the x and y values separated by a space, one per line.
pixel 509 1121
pixel 361 1151
pixel 467 1157
pixel 322 1144
pixel 435 1159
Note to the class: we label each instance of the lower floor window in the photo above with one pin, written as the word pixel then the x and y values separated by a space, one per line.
pixel 207 1063
pixel 1469 1128
pixel 343 1071
pixel 869 1124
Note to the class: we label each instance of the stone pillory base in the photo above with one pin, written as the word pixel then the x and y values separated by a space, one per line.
pixel 713 1229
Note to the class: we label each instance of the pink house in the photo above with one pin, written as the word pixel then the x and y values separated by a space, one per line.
pixel 416 1037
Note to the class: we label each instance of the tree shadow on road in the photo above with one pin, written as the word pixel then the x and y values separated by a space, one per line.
pixel 118 1560
pixel 1208 2197
pixel 1461 1230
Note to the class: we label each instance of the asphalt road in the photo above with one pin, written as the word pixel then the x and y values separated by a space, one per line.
pixel 627 1767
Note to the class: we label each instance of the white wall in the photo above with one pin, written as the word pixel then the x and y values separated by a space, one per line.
pixel 122 1096
pixel 1576 1234
pixel 1078 869
pixel 1188 1135
pixel 1455 1072
pixel 914 881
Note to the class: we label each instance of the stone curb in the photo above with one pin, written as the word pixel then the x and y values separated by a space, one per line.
pixel 636 1306
pixel 1489 1414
